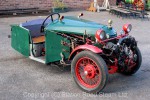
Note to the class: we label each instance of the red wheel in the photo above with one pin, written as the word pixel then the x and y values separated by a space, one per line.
pixel 89 71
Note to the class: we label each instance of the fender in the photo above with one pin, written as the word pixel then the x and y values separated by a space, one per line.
pixel 85 47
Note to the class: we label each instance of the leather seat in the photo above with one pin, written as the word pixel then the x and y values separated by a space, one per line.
pixel 39 39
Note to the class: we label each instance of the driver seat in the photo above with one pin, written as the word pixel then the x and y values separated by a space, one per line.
pixel 39 39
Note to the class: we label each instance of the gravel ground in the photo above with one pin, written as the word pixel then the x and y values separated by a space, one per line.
pixel 24 79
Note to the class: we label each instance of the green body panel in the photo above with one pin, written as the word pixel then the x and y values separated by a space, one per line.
pixel 70 25
pixel 73 25
pixel 20 39
pixel 54 47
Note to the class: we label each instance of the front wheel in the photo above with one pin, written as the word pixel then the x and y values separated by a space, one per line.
pixel 89 71
pixel 133 65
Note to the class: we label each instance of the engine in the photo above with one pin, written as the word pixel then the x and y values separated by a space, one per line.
pixel 121 50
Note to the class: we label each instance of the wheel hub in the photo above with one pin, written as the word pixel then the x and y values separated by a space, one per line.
pixel 89 71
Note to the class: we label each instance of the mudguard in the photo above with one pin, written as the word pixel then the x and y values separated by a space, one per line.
pixel 85 47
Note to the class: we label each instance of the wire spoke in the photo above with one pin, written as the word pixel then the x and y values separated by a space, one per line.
pixel 93 75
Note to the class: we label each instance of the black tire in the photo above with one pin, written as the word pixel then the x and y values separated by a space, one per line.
pixel 138 64
pixel 102 72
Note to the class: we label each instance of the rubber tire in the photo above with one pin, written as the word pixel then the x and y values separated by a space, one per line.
pixel 127 72
pixel 101 64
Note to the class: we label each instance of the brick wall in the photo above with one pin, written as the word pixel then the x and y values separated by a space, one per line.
pixel 46 4
pixel 12 4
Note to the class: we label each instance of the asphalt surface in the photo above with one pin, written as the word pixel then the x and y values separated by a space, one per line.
pixel 24 79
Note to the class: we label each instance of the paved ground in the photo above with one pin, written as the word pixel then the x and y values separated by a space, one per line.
pixel 24 79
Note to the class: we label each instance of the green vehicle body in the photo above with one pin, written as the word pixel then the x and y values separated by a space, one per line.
pixel 21 38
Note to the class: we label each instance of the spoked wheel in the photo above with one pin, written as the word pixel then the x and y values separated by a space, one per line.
pixel 89 71
pixel 133 62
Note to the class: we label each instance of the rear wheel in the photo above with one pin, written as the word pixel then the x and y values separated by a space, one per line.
pixel 89 71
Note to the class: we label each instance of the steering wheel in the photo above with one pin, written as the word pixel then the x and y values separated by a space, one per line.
pixel 51 15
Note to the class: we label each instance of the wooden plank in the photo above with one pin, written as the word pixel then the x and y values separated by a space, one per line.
pixel 39 39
